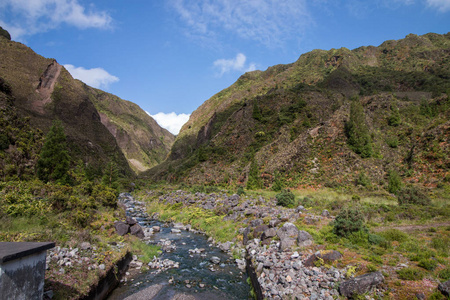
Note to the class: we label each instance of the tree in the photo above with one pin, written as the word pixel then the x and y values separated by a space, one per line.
pixel 358 137
pixel 54 160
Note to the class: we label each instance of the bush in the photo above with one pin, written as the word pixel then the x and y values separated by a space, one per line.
pixel 412 195
pixel 54 161
pixel 394 235
pixel 358 136
pixel 286 198
pixel 363 180
pixel 444 274
pixel 240 191
pixel 410 274
pixel 348 221
pixel 428 264
pixel 394 182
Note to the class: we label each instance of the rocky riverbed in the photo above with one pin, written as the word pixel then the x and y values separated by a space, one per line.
pixel 287 262
pixel 190 267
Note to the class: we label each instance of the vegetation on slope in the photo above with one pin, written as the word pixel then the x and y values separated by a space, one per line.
pixel 333 118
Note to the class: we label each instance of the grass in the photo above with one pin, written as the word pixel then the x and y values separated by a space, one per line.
pixel 200 219
pixel 144 251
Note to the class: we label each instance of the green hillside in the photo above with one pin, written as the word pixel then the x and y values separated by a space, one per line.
pixel 292 125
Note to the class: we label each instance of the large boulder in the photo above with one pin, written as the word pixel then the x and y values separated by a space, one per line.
pixel 326 256
pixel 136 230
pixel 130 221
pixel 445 288
pixel 304 239
pixel 288 235
pixel 122 228
pixel 360 285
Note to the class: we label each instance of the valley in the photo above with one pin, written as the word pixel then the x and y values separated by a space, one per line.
pixel 326 178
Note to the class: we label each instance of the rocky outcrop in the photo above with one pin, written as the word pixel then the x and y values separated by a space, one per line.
pixel 444 288
pixel 360 285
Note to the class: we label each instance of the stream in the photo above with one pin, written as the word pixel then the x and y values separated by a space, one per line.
pixel 200 275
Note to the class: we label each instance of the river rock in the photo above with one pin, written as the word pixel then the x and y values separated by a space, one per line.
pixel 444 288
pixel 136 230
pixel 122 228
pixel 361 284
pixel 215 260
pixel 175 230
pixel 130 221
pixel 156 229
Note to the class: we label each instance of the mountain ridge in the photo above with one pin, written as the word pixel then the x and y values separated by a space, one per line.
pixel 43 90
pixel 288 122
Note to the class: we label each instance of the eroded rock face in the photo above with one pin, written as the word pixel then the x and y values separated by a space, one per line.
pixel 444 288
pixel 360 285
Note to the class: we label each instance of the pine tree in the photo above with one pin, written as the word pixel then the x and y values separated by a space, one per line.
pixel 54 161
pixel 357 132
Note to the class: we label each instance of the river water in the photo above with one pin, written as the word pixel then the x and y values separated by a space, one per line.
pixel 196 278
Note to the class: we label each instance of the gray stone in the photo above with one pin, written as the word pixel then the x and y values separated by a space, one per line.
pixel 156 229
pixel 85 246
pixel 288 230
pixel 360 285
pixel 444 288
pixel 122 228
pixel 136 230
pixel 215 260
pixel 325 213
pixel 269 233
pixel 130 221
pixel 304 239
pixel 174 230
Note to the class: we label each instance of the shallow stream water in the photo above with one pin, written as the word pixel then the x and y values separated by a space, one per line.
pixel 196 278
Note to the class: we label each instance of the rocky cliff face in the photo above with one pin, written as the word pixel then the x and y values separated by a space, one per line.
pixel 289 122
pixel 43 91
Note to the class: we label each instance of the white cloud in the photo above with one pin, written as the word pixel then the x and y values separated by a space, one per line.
pixel 33 16
pixel 234 64
pixel 440 5
pixel 171 121
pixel 268 22
pixel 95 77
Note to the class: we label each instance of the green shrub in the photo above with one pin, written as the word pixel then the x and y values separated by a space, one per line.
pixel 394 118
pixel 358 136
pixel 363 180
pixel 286 198
pixel 410 274
pixel 105 195
pixel 412 195
pixel 428 264
pixel 441 244
pixel 394 182
pixel 392 141
pixel 348 221
pixel 54 161
pixel 444 274
pixel 394 235
pixel 240 191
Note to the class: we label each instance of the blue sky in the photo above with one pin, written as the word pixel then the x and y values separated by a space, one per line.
pixel 170 56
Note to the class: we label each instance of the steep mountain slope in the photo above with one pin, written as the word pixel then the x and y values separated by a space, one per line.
pixel 290 125
pixel 144 143
pixel 43 90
